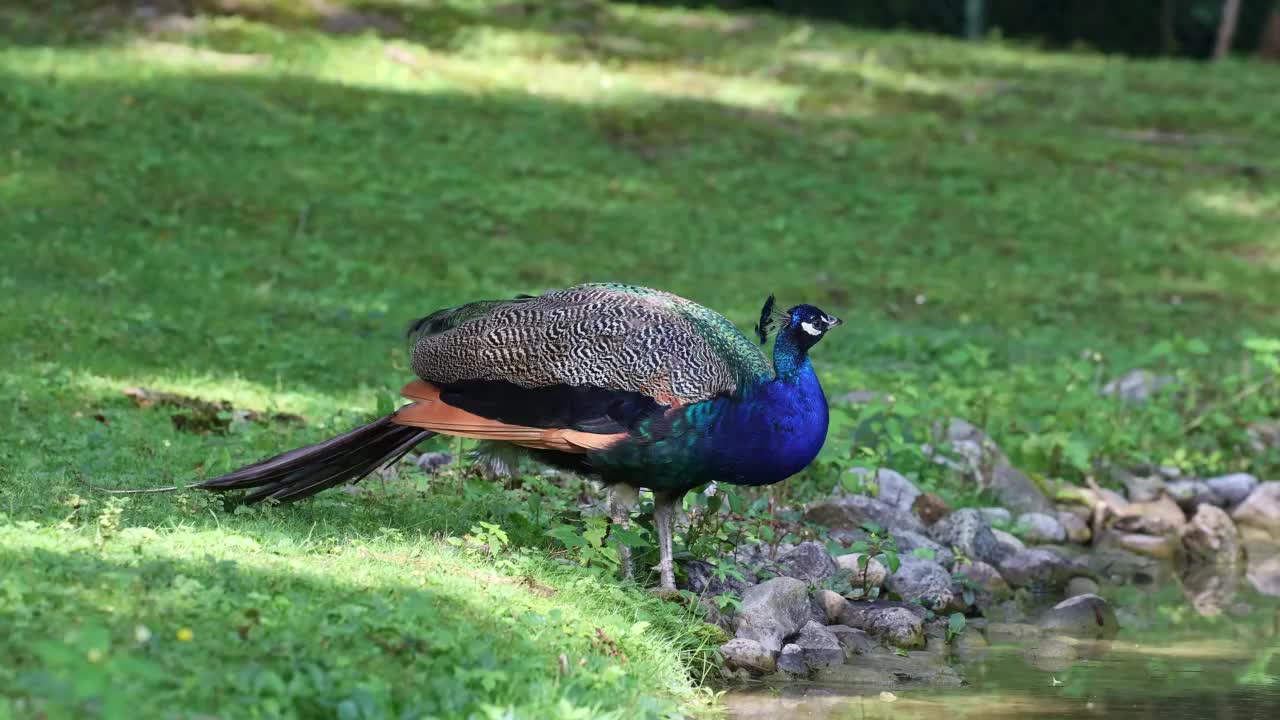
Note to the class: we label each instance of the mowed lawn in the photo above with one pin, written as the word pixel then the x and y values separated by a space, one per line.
pixel 251 208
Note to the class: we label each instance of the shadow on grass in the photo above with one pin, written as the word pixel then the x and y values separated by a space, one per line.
pixel 154 634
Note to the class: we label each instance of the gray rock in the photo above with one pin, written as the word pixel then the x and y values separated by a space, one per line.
pixel 1137 386
pixel 1261 510
pixel 994 515
pixel 967 531
pixel 872 576
pixel 807 561
pixel 1038 569
pixel 1211 537
pixel 891 623
pixel 1083 616
pixel 852 511
pixel 1041 528
pixel 923 581
pixel 819 647
pixel 1076 528
pixel 1233 488
pixel 791 660
pixel 832 604
pixel 1191 494
pixel 772 611
pixel 701 579
pixel 1082 586
pixel 894 488
pixel 749 655
pixel 984 581
pixel 982 461
pixel 1008 543
pixel 1144 488
pixel 854 641
pixel 909 541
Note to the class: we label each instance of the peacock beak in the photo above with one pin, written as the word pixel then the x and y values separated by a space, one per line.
pixel 833 321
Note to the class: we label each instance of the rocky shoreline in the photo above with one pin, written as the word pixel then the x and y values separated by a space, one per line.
pixel 810 614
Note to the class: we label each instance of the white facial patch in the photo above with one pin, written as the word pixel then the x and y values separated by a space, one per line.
pixel 809 328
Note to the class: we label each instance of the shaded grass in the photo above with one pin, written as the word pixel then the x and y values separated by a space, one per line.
pixel 251 208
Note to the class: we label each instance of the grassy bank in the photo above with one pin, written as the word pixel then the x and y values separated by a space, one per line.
pixel 250 208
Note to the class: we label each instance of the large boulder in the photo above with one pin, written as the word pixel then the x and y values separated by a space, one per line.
pixel 891 623
pixel 853 511
pixel 791 660
pixel 1084 616
pixel 773 611
pixel 1233 488
pixel 819 647
pixel 807 561
pixel 967 531
pixel 1041 528
pixel 922 581
pixel 1211 537
pixel 749 655
pixel 1261 510
pixel 989 468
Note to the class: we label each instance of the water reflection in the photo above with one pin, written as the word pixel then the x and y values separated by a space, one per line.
pixel 1201 646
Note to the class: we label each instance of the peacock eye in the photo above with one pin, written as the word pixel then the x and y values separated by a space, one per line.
pixel 809 328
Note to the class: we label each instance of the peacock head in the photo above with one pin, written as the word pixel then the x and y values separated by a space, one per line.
pixel 807 324
pixel 803 325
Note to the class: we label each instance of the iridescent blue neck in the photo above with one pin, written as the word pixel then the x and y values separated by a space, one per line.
pixel 789 359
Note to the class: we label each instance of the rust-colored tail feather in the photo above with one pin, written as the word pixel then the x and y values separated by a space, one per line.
pixel 305 471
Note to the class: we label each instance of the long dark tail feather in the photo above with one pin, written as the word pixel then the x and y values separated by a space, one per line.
pixel 303 472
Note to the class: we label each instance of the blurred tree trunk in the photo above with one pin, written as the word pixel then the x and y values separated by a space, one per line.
pixel 1227 28
pixel 973 12
pixel 1168 40
pixel 1269 45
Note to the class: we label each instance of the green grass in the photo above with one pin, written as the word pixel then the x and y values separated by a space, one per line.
pixel 251 209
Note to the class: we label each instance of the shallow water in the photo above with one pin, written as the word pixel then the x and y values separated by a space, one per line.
pixel 1169 662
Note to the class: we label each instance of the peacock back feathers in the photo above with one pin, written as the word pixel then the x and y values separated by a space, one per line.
pixel 621 338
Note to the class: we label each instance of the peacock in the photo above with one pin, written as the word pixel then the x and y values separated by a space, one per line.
pixel 636 387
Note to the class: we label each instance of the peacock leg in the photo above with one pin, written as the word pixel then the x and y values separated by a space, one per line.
pixel 664 513
pixel 622 500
